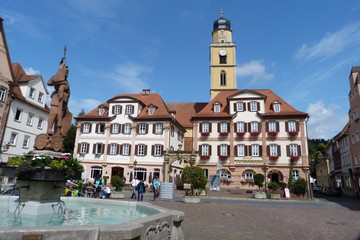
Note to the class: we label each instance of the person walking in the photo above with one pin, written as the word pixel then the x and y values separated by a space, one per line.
pixel 134 183
pixel 156 186
pixel 141 190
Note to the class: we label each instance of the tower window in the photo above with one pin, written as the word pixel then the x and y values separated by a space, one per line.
pixel 223 59
pixel 222 78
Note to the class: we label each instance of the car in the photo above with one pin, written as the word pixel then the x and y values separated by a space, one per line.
pixel 331 191
pixel 317 189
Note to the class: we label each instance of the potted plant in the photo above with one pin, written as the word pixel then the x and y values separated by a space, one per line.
pixel 274 186
pixel 195 176
pixel 299 187
pixel 118 183
pixel 258 180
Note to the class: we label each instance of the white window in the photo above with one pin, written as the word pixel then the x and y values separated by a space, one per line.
pixel 86 128
pixel 272 126
pixel 101 111
pixel 2 94
pixel 292 126
pixel 83 148
pixel 296 174
pixel 125 149
pixel 99 148
pixel 40 123
pixel 101 128
pixel 255 151
pixel 129 109
pixel 223 150
pixel 249 176
pixel 18 115
pixel 217 108
pixel 277 107
pixel 223 127
pixel 13 138
pixel 240 150
pixel 151 111
pixel 254 127
pixel 158 128
pixel 293 150
pixel 40 97
pixel 95 171
pixel 172 130
pixel 142 128
pixel 240 127
pixel 113 149
pixel 239 107
pixel 117 109
pixel 253 106
pixel 115 128
pixel 273 150
pixel 205 150
pixel 205 127
pixel 141 150
pixel 127 128
pixel 30 119
pixel 157 150
pixel 26 141
pixel 32 93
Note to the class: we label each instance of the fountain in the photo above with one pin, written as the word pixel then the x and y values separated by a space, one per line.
pixel 39 212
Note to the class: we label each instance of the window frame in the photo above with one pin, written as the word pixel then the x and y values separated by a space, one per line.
pixel 32 92
pixel 222 78
pixel 113 149
pixel 127 128
pixel 41 97
pixel 3 92
pixel 30 119
pixel 17 116
pixel 13 138
pixel 26 141
pixel 253 106
pixel 125 149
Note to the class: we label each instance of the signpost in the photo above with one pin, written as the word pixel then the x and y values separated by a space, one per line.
pixel 167 190
pixel 215 179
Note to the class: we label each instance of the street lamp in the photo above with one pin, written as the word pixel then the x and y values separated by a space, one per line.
pixel 135 163
pixel 265 168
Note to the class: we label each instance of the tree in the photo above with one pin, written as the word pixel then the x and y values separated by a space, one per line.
pixel 273 186
pixel 299 186
pixel 117 182
pixel 69 140
pixel 195 176
pixel 259 179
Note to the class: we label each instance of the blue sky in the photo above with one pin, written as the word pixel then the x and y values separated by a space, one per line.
pixel 302 50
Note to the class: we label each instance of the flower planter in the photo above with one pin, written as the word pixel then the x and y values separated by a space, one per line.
pixel 273 157
pixel 117 195
pixel 274 196
pixel 223 158
pixel 204 157
pixel 293 133
pixel 254 134
pixel 261 195
pixel 223 134
pixel 240 134
pixel 294 157
pixel 272 133
pixel 205 134
pixel 191 199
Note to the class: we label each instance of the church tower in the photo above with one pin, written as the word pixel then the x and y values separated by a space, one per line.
pixel 222 58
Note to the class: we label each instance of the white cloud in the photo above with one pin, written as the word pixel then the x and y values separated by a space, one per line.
pixel 131 76
pixel 325 121
pixel 255 70
pixel 87 104
pixel 331 44
pixel 31 71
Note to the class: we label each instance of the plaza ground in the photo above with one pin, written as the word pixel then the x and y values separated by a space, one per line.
pixel 229 215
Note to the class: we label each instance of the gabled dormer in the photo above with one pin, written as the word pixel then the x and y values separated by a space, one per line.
pixel 247 100
pixel 217 107
pixel 151 109
pixel 276 106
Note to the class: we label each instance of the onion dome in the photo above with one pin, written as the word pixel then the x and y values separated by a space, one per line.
pixel 222 23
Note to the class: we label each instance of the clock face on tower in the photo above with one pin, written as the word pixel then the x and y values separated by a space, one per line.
pixel 222 52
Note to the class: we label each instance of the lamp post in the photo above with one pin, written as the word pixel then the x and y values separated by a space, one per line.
pixel 135 163
pixel 265 168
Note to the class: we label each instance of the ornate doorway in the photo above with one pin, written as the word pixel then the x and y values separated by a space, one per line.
pixel 172 156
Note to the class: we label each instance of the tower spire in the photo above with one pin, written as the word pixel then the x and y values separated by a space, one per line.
pixel 221 13
pixel 65 51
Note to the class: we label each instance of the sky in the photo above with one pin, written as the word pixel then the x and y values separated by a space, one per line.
pixel 301 50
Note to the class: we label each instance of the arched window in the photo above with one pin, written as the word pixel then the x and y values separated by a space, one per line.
pixel 222 78
pixel 95 171
pixel 140 173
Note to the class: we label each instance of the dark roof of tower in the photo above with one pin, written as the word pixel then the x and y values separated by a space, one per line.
pixel 222 24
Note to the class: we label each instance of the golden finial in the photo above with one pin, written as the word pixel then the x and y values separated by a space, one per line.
pixel 221 12
pixel 65 51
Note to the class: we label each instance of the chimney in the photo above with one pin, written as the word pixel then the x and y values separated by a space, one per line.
pixel 145 92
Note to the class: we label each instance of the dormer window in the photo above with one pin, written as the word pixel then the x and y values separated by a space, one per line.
pixel 101 111
pixel 129 109
pixel 276 107
pixel 32 93
pixel 117 109
pixel 254 106
pixel 151 110
pixel 217 108
pixel 239 106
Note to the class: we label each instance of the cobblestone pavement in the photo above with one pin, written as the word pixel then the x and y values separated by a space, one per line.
pixel 237 217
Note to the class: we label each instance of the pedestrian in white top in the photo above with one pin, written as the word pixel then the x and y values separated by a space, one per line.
pixel 134 183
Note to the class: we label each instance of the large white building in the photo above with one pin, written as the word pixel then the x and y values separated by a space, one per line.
pixel 242 132
pixel 28 113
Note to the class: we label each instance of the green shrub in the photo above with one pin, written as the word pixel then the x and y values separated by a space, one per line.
pixel 195 176
pixel 273 186
pixel 117 182
pixel 299 186
pixel 258 180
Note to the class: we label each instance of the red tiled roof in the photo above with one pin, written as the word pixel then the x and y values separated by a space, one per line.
pixel 185 110
pixel 20 75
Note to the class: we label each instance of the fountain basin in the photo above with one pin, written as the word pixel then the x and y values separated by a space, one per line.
pixel 159 224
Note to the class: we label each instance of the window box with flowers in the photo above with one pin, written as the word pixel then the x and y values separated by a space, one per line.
pixel 272 133
pixel 293 133
pixel 224 133
pixel 257 133
pixel 226 180
pixel 273 157
pixel 294 157
pixel 240 133
pixel 205 157
pixel 223 158
pixel 205 133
